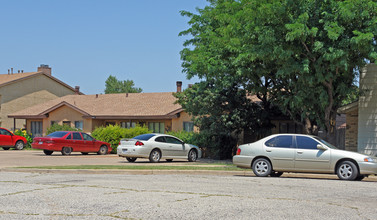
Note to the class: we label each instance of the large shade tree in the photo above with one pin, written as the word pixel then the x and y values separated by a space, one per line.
pixel 113 85
pixel 302 56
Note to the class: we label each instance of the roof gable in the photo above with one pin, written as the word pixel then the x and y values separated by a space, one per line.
pixel 6 79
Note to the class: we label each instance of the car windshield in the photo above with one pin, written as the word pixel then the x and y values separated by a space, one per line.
pixel 325 143
pixel 58 134
pixel 144 137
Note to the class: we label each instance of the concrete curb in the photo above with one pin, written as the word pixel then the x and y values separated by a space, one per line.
pixel 176 172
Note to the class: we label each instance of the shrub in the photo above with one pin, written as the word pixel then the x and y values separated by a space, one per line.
pixel 57 127
pixel 28 137
pixel 185 136
pixel 114 133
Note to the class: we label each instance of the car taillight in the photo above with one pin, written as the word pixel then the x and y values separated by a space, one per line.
pixel 238 151
pixel 139 143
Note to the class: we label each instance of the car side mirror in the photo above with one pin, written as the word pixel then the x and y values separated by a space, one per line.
pixel 321 147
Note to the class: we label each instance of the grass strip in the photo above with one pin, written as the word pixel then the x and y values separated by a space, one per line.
pixel 136 167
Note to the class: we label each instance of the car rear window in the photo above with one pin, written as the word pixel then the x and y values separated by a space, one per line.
pixel 58 134
pixel 144 137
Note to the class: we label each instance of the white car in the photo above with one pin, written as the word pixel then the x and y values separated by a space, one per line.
pixel 156 147
pixel 280 153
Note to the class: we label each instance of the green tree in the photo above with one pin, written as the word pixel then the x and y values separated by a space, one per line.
pixel 302 56
pixel 113 85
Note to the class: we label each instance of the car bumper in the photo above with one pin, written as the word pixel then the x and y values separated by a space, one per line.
pixel 242 161
pixel 51 147
pixel 125 151
pixel 367 168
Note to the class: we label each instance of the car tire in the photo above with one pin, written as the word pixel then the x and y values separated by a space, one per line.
pixel 102 150
pixel 192 155
pixel 48 152
pixel 6 148
pixel 19 145
pixel 131 159
pixel 84 153
pixel 347 170
pixel 276 174
pixel 155 156
pixel 169 160
pixel 262 167
pixel 66 151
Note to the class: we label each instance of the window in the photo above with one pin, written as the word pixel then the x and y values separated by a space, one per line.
pixel 4 132
pixel 157 127
pixel 128 124
pixel 306 143
pixel 76 136
pixel 284 141
pixel 58 134
pixel 160 139
pixel 53 122
pixel 36 129
pixel 188 126
pixel 109 123
pixel 79 125
pixel 172 140
pixel 69 137
pixel 67 123
pixel 87 137
pixel 144 137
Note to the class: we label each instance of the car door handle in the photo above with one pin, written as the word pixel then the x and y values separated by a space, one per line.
pixel 300 152
pixel 268 150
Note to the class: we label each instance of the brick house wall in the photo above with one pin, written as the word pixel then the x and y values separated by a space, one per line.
pixel 351 130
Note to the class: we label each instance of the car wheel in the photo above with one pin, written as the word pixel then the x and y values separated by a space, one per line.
pixel 19 145
pixel 262 167
pixel 102 150
pixel 276 174
pixel 155 156
pixel 6 148
pixel 360 177
pixel 192 156
pixel 66 151
pixel 131 159
pixel 48 152
pixel 347 171
pixel 84 153
pixel 169 160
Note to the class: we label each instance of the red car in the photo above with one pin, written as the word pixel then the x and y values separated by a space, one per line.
pixel 8 140
pixel 70 141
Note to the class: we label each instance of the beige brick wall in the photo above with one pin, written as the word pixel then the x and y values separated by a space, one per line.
pixel 351 130
pixel 26 93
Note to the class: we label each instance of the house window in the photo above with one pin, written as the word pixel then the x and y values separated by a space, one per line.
pixel 128 124
pixel 79 125
pixel 188 126
pixel 67 123
pixel 109 123
pixel 36 129
pixel 157 127
pixel 53 122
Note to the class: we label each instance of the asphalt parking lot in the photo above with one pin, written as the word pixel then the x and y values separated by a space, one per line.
pixel 143 194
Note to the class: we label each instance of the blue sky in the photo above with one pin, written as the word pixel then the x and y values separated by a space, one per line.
pixel 84 41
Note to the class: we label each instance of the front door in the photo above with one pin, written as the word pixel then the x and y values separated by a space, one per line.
pixel 280 150
pixel 5 138
pixel 309 158
pixel 176 147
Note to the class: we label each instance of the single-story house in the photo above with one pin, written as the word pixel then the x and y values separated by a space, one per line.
pixel 361 116
pixel 25 89
pixel 157 111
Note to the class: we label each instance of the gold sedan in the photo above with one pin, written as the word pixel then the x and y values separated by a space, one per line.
pixel 275 154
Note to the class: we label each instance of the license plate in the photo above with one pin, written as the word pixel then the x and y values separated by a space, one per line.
pixel 124 150
pixel 40 142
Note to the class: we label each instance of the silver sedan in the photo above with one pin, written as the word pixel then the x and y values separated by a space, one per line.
pixel 156 147
pixel 280 153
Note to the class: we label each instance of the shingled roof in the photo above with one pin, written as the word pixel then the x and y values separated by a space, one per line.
pixel 6 79
pixel 110 106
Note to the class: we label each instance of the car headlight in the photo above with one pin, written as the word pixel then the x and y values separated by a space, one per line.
pixel 368 159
